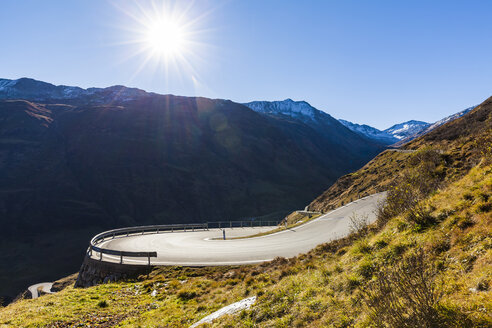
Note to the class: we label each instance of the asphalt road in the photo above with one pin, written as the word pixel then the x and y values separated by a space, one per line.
pixel 46 287
pixel 200 248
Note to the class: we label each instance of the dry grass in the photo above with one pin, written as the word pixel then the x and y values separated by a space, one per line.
pixel 322 288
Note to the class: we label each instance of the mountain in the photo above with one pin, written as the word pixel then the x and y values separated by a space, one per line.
pixel 401 133
pixel 33 90
pixel 397 134
pixel 324 124
pixel 77 161
pixel 296 109
pixel 370 132
pixel 407 129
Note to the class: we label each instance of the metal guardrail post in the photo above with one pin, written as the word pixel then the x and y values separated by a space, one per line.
pixel 100 256
pixel 121 258
pixel 149 259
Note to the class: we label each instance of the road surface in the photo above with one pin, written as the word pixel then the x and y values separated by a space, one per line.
pixel 204 248
pixel 46 287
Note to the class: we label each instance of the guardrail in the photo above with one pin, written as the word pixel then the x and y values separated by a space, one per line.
pixel 240 224
pixel 111 234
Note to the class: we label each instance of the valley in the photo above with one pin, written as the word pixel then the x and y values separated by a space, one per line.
pixel 441 232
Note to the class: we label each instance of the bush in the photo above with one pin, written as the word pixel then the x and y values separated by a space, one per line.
pixel 413 186
pixel 405 295
pixel 420 216
pixel 102 304
pixel 352 282
pixel 380 244
pixel 366 268
pixel 359 225
pixel 187 294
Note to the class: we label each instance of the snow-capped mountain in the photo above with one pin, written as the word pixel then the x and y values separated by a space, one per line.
pixel 391 135
pixel 288 107
pixel 317 122
pixel 401 133
pixel 29 89
pixel 370 132
pixel 448 119
pixel 407 129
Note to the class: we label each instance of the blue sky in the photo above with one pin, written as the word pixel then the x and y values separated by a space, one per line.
pixel 373 62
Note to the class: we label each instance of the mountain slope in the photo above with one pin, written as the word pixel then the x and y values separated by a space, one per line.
pixel 465 140
pixel 70 167
pixel 428 265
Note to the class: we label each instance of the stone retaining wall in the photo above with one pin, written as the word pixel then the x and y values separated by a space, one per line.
pixel 94 272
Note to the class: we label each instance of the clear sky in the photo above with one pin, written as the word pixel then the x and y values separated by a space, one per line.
pixel 373 62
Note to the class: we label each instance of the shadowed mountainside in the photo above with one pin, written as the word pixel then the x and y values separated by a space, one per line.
pixel 74 166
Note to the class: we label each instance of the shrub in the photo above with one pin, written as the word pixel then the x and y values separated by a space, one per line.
pixel 366 268
pixel 187 294
pixel 464 222
pixel 420 216
pixel 484 207
pixel 414 185
pixel 352 282
pixel 405 295
pixel 359 225
pixel 361 247
pixel 102 304
pixel 380 244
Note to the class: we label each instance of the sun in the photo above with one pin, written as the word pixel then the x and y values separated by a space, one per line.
pixel 168 38
pixel 165 38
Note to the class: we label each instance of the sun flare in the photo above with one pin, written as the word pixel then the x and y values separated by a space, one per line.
pixel 165 38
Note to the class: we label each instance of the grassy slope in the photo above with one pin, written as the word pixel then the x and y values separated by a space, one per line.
pixel 326 286
pixel 322 288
